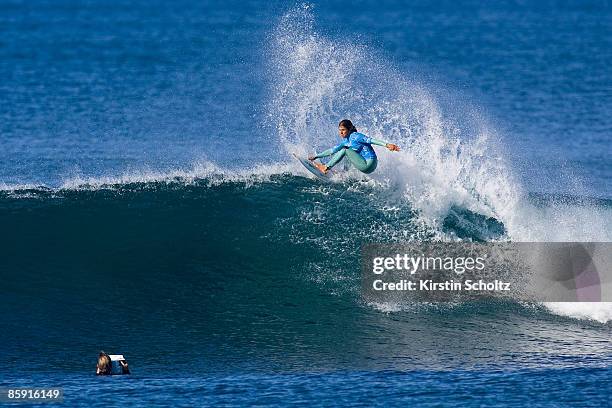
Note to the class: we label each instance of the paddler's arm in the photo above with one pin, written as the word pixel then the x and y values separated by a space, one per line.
pixel 390 146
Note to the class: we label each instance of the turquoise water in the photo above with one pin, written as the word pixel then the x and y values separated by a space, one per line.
pixel 150 206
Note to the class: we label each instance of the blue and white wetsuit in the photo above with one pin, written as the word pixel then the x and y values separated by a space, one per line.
pixel 358 148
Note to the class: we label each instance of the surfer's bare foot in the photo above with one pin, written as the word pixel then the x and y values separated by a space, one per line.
pixel 322 168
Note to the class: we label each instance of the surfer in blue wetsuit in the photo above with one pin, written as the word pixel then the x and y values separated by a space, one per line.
pixel 356 146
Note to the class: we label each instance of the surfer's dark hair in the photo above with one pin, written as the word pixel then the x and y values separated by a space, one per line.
pixel 348 124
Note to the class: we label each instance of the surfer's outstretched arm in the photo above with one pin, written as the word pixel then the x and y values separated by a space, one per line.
pixel 322 167
pixel 328 152
pixel 390 146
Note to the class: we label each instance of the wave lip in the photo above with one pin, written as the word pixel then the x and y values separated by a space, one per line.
pixel 597 311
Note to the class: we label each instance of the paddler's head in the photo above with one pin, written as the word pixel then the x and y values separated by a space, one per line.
pixel 104 366
pixel 345 128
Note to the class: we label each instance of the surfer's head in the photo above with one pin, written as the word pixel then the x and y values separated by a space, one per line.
pixel 346 127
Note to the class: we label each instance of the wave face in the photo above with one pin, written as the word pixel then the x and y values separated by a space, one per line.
pixel 242 273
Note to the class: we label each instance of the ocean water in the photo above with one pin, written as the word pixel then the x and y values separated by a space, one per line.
pixel 150 206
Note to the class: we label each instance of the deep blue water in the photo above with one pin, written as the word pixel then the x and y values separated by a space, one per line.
pixel 149 204
pixel 99 87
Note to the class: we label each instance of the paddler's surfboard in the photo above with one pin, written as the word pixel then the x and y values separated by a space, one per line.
pixel 311 168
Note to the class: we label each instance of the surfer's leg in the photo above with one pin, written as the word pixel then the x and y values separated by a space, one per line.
pixel 336 158
pixel 370 166
pixel 363 165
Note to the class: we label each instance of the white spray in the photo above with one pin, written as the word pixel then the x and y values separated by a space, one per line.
pixel 446 160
